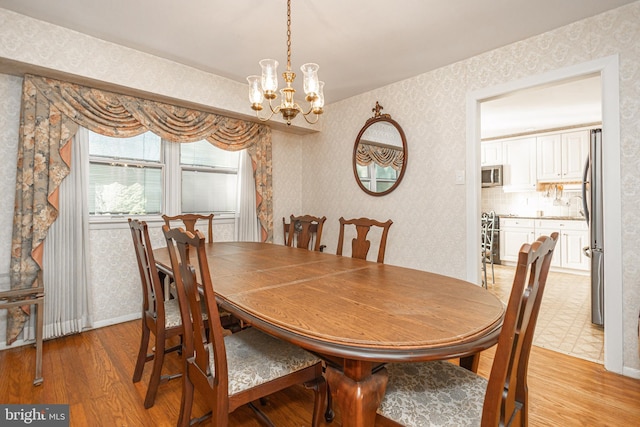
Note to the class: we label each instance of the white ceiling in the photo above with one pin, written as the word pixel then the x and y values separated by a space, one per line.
pixel 565 104
pixel 360 45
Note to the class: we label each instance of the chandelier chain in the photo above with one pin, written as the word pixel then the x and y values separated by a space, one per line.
pixel 288 35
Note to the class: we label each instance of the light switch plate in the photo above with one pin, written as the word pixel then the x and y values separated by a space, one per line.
pixel 459 177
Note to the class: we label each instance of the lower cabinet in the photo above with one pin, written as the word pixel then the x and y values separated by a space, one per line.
pixel 513 233
pixel 573 256
pixel 546 230
pixel 573 236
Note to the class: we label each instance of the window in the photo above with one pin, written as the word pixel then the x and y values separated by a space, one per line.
pixel 213 172
pixel 384 178
pixel 377 178
pixel 125 175
pixel 143 175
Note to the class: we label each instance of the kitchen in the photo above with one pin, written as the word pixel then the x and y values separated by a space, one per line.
pixel 532 180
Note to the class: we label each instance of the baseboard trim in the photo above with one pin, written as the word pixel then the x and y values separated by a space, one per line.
pixel 101 324
pixel 116 320
pixel 631 372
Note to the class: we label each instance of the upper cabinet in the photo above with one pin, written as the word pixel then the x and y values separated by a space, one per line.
pixel 561 157
pixel 519 164
pixel 575 151
pixel 491 153
pixel 557 157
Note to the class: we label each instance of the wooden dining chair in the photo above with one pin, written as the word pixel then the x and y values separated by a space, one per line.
pixel 360 245
pixel 229 322
pixel 304 231
pixel 190 220
pixel 160 317
pixel 233 370
pixel 441 393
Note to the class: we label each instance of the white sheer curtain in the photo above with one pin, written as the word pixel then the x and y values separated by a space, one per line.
pixel 247 226
pixel 66 251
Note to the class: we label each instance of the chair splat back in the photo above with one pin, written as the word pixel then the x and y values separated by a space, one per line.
pixel 190 220
pixel 360 245
pixel 304 231
pixel 506 398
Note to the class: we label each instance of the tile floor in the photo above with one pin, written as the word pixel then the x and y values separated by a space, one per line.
pixel 564 323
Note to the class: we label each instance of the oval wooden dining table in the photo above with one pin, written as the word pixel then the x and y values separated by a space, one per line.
pixel 356 314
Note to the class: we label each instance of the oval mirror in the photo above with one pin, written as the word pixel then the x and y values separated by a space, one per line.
pixel 380 154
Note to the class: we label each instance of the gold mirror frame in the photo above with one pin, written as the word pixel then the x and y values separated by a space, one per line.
pixel 357 150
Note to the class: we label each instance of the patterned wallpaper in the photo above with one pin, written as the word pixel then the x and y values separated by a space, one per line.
pixel 115 278
pixel 428 209
pixel 288 152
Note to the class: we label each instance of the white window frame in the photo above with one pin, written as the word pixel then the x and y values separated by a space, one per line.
pixel 372 181
pixel 172 194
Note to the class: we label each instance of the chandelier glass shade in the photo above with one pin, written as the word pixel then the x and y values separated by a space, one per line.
pixel 266 87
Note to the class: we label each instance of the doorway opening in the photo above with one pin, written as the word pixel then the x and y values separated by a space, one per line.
pixel 546 128
pixel 607 69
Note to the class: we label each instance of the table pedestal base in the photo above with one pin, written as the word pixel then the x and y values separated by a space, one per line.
pixel 358 399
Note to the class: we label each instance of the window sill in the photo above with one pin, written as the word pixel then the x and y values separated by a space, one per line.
pixel 104 222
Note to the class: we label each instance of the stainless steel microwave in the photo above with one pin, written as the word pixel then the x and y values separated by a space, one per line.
pixel 492 176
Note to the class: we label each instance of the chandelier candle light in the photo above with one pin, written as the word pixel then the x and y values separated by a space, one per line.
pixel 265 86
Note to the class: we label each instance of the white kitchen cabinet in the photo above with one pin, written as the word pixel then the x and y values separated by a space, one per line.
pixel 491 153
pixel 573 241
pixel 561 157
pixel 545 228
pixel 513 233
pixel 519 164
pixel 573 236
pixel 549 152
pixel 575 150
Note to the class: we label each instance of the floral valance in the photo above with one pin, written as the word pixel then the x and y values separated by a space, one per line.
pixel 379 154
pixel 51 112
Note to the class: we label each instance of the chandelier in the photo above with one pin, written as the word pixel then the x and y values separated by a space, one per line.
pixel 265 87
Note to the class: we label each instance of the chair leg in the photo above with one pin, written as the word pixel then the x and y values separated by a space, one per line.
pixel 493 273
pixel 328 413
pixel 320 390
pixel 186 402
pixel 39 333
pixel 142 352
pixel 154 381
pixel 484 270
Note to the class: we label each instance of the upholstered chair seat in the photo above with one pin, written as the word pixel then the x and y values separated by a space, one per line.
pixel 255 358
pixel 433 394
pixel 172 317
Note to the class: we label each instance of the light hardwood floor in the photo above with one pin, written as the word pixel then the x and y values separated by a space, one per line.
pixel 92 373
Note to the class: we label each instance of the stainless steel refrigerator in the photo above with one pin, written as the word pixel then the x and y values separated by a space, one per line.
pixel 592 204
